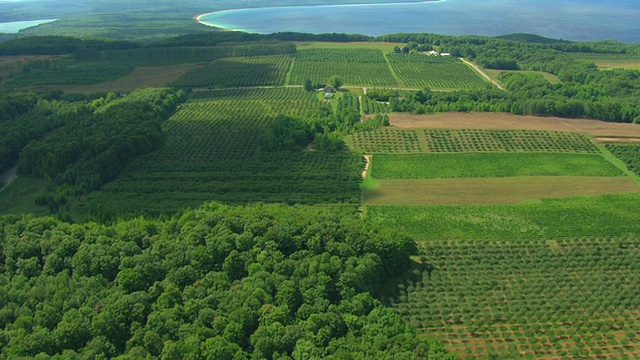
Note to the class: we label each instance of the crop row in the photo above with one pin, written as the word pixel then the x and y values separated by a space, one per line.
pixel 422 71
pixel 387 140
pixel 242 71
pixel 370 106
pixel 628 153
pixel 454 141
pixel 298 177
pixel 477 297
pixel 353 66
pixel 270 94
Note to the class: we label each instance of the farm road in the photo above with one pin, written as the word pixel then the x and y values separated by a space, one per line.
pixel 476 68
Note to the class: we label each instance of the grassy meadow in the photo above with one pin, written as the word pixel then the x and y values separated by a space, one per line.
pixel 434 166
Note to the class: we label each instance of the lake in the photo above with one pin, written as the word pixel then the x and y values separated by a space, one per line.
pixel 561 19
pixel 15 26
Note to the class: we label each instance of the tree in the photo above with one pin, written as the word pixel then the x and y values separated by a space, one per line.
pixel 308 86
pixel 335 81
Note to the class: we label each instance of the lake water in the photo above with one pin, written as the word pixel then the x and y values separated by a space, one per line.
pixel 561 19
pixel 15 26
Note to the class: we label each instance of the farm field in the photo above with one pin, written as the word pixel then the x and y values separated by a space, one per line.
pixel 385 47
pixel 495 74
pixel 148 76
pixel 489 191
pixel 357 66
pixel 394 140
pixel 477 297
pixel 486 165
pixel 629 154
pixel 609 61
pixel 504 207
pixel 502 121
pixel 606 215
pixel 435 72
pixel 212 152
pixel 239 71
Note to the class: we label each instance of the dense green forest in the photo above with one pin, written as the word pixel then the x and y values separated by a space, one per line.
pixel 260 282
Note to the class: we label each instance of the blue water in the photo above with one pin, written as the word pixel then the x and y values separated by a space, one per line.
pixel 15 26
pixel 561 19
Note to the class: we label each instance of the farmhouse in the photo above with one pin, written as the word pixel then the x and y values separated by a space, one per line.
pixel 328 91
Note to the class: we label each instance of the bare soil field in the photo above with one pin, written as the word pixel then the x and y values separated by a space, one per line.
pixel 148 76
pixel 503 121
pixel 511 190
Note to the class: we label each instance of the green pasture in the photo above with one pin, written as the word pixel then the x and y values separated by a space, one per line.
pixel 434 166
pixel 608 215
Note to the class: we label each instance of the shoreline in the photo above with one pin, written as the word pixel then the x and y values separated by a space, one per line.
pixel 198 18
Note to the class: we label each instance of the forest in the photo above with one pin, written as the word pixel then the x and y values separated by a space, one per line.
pixel 237 210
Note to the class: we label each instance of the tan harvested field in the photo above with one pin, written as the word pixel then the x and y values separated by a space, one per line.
pixel 148 76
pixel 624 140
pixel 487 191
pixel 504 121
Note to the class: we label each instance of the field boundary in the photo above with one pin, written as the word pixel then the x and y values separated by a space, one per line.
pixel 401 84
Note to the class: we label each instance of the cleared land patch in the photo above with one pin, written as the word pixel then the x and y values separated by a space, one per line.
pixel 532 299
pixel 436 72
pixel 609 61
pixel 148 76
pixel 495 74
pixel 487 191
pixel 488 165
pixel 504 121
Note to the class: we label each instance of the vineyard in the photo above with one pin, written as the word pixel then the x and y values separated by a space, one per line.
pixel 629 154
pixel 239 71
pixel 212 152
pixel 366 67
pixel 478 297
pixel 435 141
pixel 435 72
pixel 483 165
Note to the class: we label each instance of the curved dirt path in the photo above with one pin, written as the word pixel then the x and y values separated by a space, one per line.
pixel 476 68
pixel 366 167
pixel 9 177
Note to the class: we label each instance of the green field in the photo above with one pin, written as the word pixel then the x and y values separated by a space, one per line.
pixel 608 215
pixel 531 299
pixel 240 71
pixel 609 61
pixel 434 166
pixel 68 72
pixel 429 141
pixel 435 72
pixel 364 67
